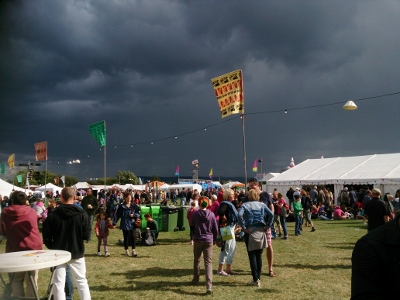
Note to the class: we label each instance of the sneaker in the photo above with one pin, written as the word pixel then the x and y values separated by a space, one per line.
pixel 134 254
pixel 126 252
pixel 107 254
pixel 222 273
pixel 284 238
pixel 313 229
pixel 98 253
pixel 209 292
pixel 254 283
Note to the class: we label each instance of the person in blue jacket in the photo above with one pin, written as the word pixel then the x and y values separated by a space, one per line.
pixel 128 212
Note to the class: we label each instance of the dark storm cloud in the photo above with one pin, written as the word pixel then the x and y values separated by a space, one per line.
pixel 145 68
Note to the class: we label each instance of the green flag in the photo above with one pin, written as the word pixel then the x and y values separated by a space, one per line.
pixel 19 178
pixel 3 168
pixel 98 131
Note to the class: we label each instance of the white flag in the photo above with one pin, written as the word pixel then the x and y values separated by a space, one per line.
pixel 63 180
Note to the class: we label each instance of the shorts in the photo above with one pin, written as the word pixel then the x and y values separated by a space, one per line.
pixel 268 234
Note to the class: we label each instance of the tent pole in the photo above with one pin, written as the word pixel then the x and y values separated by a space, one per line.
pixel 244 151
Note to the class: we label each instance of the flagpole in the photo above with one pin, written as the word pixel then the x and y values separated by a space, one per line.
pixel 105 163
pixel 244 150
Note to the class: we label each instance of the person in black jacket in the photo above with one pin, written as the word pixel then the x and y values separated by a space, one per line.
pixel 375 263
pixel 65 229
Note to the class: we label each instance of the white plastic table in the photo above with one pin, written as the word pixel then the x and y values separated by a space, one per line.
pixel 26 261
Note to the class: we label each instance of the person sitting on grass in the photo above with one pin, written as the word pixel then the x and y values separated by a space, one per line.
pixel 339 214
pixel 150 236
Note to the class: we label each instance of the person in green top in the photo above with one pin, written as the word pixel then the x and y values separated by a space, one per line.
pixel 298 214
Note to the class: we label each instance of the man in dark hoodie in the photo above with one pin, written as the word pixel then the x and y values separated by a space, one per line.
pixel 66 229
pixel 204 237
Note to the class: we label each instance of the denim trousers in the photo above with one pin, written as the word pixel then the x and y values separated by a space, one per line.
pixel 69 286
pixel 204 248
pixel 78 271
pixel 283 224
pixel 255 258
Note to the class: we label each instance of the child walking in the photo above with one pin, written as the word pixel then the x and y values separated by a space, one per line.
pixel 298 214
pixel 101 229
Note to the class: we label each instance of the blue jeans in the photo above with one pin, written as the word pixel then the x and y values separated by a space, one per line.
pixel 69 286
pixel 255 258
pixel 298 224
pixel 91 218
pixel 283 224
pixel 183 201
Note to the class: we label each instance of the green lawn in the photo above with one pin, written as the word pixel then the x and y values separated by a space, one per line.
pixel 316 265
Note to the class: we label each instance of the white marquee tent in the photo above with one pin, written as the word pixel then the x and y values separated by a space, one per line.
pixel 6 188
pixel 380 170
pixel 49 187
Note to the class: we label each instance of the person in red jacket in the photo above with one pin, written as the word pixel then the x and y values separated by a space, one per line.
pixel 101 229
pixel 19 223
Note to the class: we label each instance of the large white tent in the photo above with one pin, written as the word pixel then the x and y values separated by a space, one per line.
pixel 6 188
pixel 378 170
pixel 49 187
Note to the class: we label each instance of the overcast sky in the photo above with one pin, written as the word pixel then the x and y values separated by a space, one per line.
pixel 145 67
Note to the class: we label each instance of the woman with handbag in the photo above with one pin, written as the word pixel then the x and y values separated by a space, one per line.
pixel 255 218
pixel 128 212
pixel 228 219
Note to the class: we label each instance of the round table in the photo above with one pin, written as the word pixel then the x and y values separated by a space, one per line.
pixel 25 261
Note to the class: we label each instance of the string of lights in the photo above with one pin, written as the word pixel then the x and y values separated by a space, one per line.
pixel 204 128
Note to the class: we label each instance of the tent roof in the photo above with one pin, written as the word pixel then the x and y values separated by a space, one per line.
pixel 49 187
pixel 376 168
pixel 6 188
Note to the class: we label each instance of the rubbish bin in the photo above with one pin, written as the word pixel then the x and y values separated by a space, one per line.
pixel 183 222
pixel 144 210
pixel 169 218
pixel 156 215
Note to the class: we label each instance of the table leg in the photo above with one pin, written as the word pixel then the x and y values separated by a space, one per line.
pixel 35 288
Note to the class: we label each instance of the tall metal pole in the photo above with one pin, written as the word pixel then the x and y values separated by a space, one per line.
pixel 244 150
pixel 105 168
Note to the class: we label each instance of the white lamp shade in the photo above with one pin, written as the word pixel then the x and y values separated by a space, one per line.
pixel 350 105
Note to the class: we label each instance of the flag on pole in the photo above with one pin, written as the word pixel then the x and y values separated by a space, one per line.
pixel 255 166
pixel 11 160
pixel 41 151
pixel 140 181
pixel 98 131
pixel 3 168
pixel 63 180
pixel 19 178
pixel 228 89
pixel 211 173
pixel 177 171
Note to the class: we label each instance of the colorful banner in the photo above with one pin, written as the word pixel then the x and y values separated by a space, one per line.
pixel 211 173
pixel 98 131
pixel 3 169
pixel 255 166
pixel 11 160
pixel 41 151
pixel 229 91
pixel 19 178
pixel 177 171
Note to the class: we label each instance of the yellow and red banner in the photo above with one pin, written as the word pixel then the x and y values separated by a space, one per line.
pixel 228 89
pixel 41 151
pixel 11 160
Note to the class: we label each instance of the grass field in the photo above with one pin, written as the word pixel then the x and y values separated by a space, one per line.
pixel 316 265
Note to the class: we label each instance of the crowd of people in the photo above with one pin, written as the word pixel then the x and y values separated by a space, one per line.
pixel 219 217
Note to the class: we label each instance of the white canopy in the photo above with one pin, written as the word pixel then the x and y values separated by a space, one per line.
pixel 82 185
pixel 49 187
pixel 192 187
pixel 379 170
pixel 6 188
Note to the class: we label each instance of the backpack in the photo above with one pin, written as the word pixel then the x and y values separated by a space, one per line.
pixel 150 239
